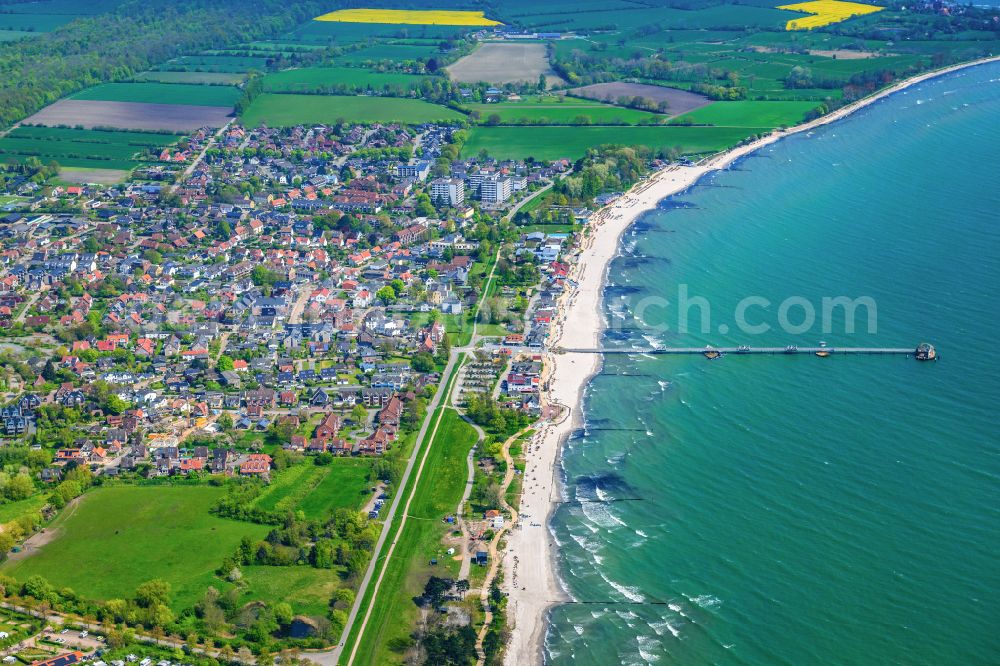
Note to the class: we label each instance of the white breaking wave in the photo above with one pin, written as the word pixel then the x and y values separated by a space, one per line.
pixel 646 646
pixel 600 515
pixel 630 592
pixel 660 627
pixel 706 601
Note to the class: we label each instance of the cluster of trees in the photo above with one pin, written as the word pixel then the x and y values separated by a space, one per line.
pixel 488 413
pixel 253 87
pixel 343 542
pixel 720 92
pixel 803 77
pixel 498 635
pixel 223 612
pixel 149 607
pixel 16 530
pixel 510 273
pixel 238 503
pixel 453 647
pixel 439 643
pixel 31 168
pixel 601 170
pixel 595 66
pixel 74 483
pixel 644 103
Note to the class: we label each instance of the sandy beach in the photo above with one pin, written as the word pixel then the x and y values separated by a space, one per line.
pixel 530 577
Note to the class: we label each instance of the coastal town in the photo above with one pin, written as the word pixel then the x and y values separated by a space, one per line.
pixel 262 301
pixel 325 338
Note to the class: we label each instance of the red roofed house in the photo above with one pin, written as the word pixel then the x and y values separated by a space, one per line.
pixel 257 464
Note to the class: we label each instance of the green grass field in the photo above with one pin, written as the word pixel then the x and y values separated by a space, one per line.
pixel 331 78
pixel 162 93
pixel 96 149
pixel 393 52
pixel 327 32
pixel 14 35
pixel 749 114
pixel 318 491
pixel 438 493
pixel 548 143
pixel 201 78
pixel 306 588
pixel 34 22
pixel 140 533
pixel 279 110
pixel 13 510
pixel 209 63
pixel 345 485
pixel 559 110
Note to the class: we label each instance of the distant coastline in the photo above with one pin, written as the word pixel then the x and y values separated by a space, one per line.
pixel 529 561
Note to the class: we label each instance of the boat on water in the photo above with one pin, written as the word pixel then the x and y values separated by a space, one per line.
pixel 926 352
pixel 823 351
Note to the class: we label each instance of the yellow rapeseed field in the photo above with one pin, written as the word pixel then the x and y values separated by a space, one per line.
pixel 407 16
pixel 826 12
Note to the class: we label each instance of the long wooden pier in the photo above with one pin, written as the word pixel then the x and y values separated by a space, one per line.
pixel 788 351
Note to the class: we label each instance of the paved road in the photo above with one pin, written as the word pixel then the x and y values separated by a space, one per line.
pixel 332 656
pixel 208 144
pixel 27 306
pixel 523 202
pixel 299 306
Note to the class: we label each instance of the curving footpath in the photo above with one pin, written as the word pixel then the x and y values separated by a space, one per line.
pixel 484 591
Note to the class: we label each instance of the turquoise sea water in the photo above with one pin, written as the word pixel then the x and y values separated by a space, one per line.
pixel 799 510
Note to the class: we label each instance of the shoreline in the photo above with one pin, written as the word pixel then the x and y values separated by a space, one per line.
pixel 530 570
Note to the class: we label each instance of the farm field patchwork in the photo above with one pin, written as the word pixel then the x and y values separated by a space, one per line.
pixel 148 532
pixel 410 17
pixel 562 110
pixel 161 93
pixel 322 33
pixel 131 115
pixel 678 101
pixel 390 52
pixel 329 78
pixel 549 143
pixel 280 110
pixel 504 62
pixel 750 114
pixel 220 63
pixel 826 12
pixel 89 149
pixel 201 78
